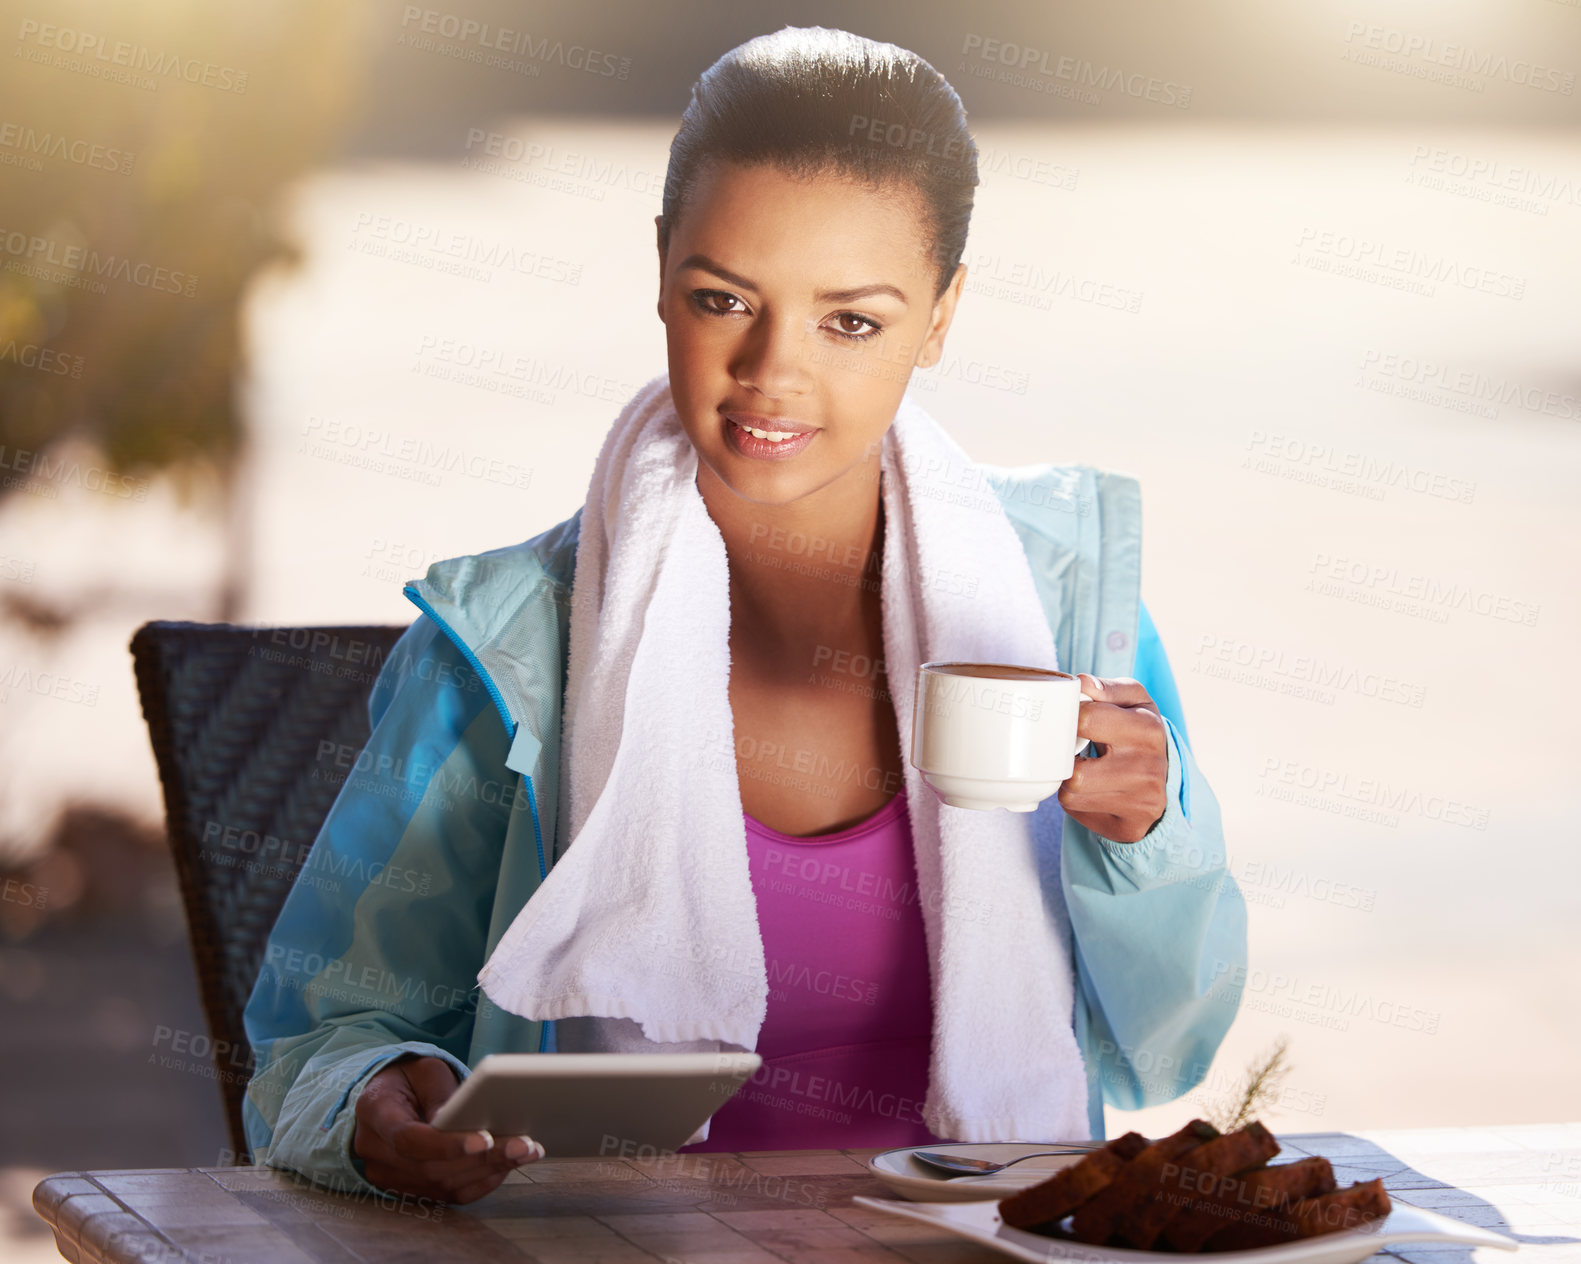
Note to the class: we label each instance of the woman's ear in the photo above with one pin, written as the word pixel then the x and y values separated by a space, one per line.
pixel 658 232
pixel 943 313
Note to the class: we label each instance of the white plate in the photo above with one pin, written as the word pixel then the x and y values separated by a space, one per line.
pixel 980 1222
pixel 911 1178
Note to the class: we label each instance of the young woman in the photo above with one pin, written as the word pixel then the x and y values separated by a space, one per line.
pixel 809 259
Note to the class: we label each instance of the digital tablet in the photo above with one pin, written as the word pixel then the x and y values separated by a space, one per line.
pixel 581 1104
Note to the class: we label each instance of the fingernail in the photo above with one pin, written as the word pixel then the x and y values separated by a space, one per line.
pixel 1097 685
pixel 533 1150
pixel 478 1142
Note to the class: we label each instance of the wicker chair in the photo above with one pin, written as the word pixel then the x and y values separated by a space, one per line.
pixel 236 716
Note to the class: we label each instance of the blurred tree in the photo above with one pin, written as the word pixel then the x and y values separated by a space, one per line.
pixel 143 144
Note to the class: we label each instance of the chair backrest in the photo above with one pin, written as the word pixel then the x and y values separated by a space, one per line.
pixel 245 724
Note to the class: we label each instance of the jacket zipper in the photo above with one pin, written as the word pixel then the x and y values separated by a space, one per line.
pixel 422 604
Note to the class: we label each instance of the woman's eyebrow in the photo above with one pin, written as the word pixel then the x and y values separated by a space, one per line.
pixel 825 296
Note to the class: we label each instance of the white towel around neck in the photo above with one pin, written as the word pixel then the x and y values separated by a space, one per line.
pixel 648 925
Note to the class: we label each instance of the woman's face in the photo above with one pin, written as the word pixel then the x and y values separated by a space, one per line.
pixel 801 301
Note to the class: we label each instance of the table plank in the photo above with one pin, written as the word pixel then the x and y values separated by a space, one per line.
pixel 752 1208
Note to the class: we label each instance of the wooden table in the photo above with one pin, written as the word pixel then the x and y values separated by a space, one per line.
pixel 721 1208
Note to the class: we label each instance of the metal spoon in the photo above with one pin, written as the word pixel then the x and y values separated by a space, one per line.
pixel 957 1165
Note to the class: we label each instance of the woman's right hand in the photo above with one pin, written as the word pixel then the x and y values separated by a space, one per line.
pixel 401 1151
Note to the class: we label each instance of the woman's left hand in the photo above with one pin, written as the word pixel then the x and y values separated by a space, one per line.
pixel 1118 787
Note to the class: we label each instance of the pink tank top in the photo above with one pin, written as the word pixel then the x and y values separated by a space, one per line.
pixel 850 1014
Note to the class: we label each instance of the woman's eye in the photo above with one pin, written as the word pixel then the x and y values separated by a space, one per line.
pixel 873 328
pixel 703 299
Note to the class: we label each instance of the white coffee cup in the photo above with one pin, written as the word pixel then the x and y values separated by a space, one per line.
pixel 995 735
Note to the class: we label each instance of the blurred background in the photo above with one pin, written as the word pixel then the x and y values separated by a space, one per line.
pixel 1309 272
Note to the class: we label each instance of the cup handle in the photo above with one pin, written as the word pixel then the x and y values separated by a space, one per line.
pixel 1083 743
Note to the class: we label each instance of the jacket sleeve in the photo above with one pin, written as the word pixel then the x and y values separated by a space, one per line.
pixel 376 949
pixel 1159 928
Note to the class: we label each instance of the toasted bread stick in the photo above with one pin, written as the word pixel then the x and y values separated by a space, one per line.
pixel 1198 1171
pixel 1070 1187
pixel 1259 1192
pixel 1096 1219
pixel 1363 1202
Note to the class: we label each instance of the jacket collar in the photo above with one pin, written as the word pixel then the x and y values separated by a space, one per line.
pixel 508 612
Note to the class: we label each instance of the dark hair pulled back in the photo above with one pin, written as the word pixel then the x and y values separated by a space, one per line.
pixel 815 101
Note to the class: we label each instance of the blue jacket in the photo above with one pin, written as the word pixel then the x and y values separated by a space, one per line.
pixel 448 821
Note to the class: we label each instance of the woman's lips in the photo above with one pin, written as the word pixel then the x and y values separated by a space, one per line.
pixel 749 445
pixel 757 421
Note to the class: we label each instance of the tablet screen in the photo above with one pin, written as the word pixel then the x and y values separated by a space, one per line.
pixel 588 1104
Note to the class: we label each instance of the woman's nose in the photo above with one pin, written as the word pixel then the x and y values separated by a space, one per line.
pixel 772 358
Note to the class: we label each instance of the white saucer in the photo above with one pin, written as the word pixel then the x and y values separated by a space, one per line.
pixel 911 1178
pixel 981 1223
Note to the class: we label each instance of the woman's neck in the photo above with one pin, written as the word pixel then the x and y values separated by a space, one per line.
pixel 803 574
